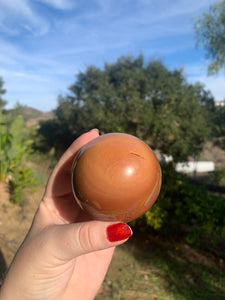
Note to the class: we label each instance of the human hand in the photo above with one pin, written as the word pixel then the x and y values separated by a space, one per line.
pixel 66 254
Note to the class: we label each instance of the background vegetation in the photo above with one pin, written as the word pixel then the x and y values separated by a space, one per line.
pixel 145 99
pixel 148 100
pixel 15 145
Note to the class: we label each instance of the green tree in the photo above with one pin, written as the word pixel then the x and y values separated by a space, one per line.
pixel 2 92
pixel 220 121
pixel 179 126
pixel 210 33
pixel 144 99
pixel 208 108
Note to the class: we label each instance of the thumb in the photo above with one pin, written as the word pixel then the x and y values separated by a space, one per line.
pixel 72 240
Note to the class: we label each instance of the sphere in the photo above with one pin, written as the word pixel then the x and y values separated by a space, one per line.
pixel 116 177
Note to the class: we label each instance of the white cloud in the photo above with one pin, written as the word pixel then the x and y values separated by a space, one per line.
pixel 18 15
pixel 59 4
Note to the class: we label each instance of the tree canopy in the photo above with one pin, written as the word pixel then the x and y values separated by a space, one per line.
pixel 144 99
pixel 210 33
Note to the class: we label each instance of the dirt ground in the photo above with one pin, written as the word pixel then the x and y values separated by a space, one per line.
pixel 15 221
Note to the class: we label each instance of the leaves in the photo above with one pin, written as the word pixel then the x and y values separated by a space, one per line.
pixel 184 209
pixel 22 178
pixel 2 92
pixel 210 32
pixel 14 148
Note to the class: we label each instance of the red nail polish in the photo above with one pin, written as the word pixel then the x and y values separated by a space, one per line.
pixel 118 232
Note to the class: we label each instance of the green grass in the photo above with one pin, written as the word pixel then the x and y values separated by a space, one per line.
pixel 155 269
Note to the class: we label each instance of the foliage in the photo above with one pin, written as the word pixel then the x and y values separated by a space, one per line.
pixel 2 92
pixel 53 134
pixel 146 100
pixel 209 108
pixel 218 176
pixel 14 147
pixel 184 209
pixel 210 32
pixel 220 121
pixel 11 114
pixel 4 146
pixel 22 178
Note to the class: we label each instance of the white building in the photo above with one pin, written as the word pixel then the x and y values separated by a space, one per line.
pixel 195 167
pixel 220 103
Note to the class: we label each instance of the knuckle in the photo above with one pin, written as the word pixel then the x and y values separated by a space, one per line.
pixel 85 238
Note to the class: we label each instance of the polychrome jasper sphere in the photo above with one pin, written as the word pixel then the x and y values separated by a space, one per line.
pixel 116 177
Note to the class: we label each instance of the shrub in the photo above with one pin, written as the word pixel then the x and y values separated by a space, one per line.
pixel 218 176
pixel 14 148
pixel 24 178
pixel 183 209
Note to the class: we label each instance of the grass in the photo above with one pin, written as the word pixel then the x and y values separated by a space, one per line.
pixel 159 269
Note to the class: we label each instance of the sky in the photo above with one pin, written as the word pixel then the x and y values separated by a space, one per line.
pixel 44 44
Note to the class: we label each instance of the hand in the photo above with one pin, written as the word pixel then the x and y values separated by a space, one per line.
pixel 66 254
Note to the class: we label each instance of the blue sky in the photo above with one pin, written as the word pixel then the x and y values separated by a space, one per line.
pixel 45 43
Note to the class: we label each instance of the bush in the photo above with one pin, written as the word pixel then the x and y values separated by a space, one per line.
pixel 24 178
pixel 218 176
pixel 15 145
pixel 184 209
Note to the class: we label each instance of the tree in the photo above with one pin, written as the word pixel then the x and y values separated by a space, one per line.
pixel 208 108
pixel 220 123
pixel 144 99
pixel 210 33
pixel 180 126
pixel 2 92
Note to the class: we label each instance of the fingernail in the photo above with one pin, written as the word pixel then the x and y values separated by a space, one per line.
pixel 94 130
pixel 118 232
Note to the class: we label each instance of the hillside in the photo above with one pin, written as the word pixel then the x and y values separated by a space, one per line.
pixel 33 116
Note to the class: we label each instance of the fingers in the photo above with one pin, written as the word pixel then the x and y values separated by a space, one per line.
pixel 59 182
pixel 72 240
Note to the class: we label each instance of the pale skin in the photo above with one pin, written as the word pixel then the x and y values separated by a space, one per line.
pixel 65 254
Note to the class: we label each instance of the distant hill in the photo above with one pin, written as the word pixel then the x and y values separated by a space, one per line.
pixel 33 116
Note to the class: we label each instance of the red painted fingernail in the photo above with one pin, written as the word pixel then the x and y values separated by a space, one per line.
pixel 118 232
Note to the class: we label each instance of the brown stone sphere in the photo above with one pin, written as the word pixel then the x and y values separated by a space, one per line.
pixel 116 177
